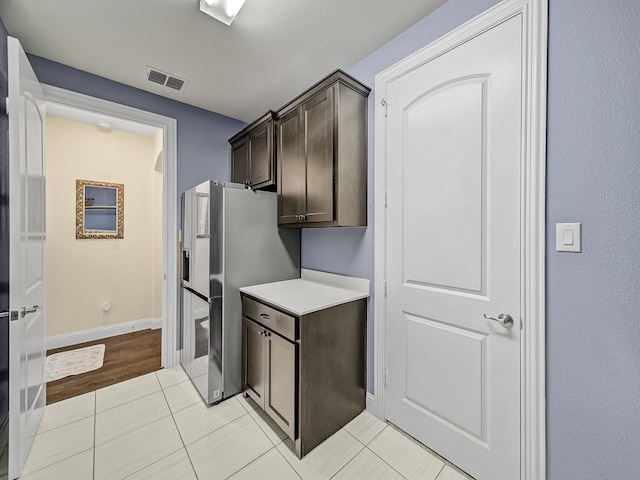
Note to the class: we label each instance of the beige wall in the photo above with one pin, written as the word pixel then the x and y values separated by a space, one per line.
pixel 82 275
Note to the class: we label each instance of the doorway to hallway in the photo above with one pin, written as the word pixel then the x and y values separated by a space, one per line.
pixel 125 357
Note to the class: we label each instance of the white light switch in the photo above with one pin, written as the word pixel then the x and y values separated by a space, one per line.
pixel 568 237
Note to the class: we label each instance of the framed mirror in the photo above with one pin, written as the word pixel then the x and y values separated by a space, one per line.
pixel 99 209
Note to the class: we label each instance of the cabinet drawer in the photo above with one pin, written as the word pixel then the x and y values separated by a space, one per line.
pixel 271 318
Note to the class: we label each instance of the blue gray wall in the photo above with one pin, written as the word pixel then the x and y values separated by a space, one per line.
pixel 593 298
pixel 203 150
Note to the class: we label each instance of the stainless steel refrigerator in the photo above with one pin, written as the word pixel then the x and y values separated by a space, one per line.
pixel 230 239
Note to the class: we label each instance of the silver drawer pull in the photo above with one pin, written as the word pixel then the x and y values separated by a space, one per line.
pixel 265 316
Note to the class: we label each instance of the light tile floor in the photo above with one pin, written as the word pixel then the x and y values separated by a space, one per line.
pixel 157 427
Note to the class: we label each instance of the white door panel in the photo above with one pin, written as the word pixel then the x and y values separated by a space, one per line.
pixel 453 137
pixel 27 387
pixel 451 233
pixel 454 395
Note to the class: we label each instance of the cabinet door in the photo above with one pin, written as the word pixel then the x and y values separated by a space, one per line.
pixel 291 168
pixel 319 126
pixel 280 398
pixel 260 156
pixel 253 360
pixel 240 162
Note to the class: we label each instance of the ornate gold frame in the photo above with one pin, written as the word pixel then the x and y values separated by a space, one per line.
pixel 80 210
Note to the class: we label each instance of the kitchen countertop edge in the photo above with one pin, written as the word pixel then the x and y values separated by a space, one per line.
pixel 302 296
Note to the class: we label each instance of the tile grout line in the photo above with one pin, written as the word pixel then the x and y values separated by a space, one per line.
pixel 59 460
pixel 252 461
pixel 193 468
pixel 440 472
pixel 287 461
pixel 396 470
pixel 263 430
pixel 378 434
pixel 208 433
pixel 275 446
pixel 55 463
pixel 206 406
pixel 129 401
pixel 351 459
pixel 425 448
pixel 366 447
pixel 154 421
pixel 432 452
pixel 228 424
pixel 64 425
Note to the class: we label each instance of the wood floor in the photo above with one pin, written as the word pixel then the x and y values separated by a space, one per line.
pixel 125 357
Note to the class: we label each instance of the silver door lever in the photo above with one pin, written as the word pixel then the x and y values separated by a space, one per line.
pixel 25 312
pixel 503 319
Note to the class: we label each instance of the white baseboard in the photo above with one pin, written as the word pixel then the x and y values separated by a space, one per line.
pixel 82 336
pixel 371 404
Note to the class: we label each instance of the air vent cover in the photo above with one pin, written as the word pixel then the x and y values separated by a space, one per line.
pixel 168 80
pixel 157 77
pixel 173 82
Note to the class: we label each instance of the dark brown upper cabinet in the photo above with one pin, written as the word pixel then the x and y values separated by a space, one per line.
pixel 321 154
pixel 252 154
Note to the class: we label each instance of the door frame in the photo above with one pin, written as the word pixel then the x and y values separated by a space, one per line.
pixel 169 129
pixel 533 184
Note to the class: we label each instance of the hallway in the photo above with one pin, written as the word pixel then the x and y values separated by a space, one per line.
pixel 125 357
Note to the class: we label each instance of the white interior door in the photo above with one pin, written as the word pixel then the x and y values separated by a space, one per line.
pixel 27 256
pixel 453 137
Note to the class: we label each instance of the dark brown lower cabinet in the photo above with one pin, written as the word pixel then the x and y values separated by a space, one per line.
pixel 306 372
pixel 270 373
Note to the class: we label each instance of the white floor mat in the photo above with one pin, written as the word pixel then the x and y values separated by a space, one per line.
pixel 74 362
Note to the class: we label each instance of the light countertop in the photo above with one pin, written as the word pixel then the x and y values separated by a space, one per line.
pixel 312 292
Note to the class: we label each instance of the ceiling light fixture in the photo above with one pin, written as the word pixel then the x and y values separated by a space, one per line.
pixel 222 10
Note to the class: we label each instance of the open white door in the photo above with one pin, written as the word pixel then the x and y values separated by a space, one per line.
pixel 27 256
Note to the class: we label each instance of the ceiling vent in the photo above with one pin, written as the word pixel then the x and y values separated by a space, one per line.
pixel 168 80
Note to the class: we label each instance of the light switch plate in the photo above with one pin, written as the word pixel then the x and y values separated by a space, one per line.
pixel 568 237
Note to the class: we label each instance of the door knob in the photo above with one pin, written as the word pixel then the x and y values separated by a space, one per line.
pixel 503 319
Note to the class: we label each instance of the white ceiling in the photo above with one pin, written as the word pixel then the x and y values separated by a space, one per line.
pixel 274 50
pixel 93 118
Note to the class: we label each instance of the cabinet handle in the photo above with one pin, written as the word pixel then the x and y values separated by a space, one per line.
pixel 265 316
pixel 303 218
